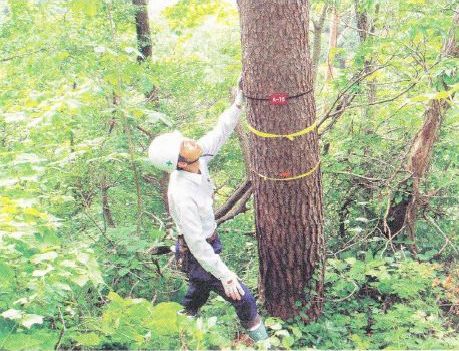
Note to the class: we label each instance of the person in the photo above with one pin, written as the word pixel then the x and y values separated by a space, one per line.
pixel 190 199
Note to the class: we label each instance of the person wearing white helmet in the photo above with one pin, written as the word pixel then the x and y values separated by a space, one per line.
pixel 190 199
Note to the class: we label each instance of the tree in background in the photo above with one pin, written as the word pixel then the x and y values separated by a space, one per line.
pixel 403 214
pixel 142 26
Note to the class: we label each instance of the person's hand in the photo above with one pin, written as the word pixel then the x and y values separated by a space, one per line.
pixel 233 288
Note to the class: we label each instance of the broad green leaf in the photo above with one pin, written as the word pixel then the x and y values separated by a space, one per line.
pixel 30 319
pixel 44 257
pixel 12 314
pixel 88 339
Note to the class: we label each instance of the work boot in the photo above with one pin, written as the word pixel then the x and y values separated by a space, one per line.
pixel 258 333
pixel 256 329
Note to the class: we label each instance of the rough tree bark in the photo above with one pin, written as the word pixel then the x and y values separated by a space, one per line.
pixel 289 214
pixel 403 214
pixel 142 26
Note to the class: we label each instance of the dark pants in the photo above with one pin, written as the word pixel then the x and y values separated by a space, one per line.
pixel 202 283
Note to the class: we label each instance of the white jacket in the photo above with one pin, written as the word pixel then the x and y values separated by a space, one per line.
pixel 190 197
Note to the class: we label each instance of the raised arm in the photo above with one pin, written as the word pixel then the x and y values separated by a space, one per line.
pixel 212 142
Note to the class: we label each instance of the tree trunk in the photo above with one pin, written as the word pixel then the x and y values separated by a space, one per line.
pixel 317 41
pixel 163 183
pixel 333 40
pixel 289 214
pixel 403 214
pixel 142 26
pixel 361 18
pixel 105 203
pixel 365 30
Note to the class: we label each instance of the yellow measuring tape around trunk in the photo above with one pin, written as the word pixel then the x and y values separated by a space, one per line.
pixel 290 136
pixel 303 175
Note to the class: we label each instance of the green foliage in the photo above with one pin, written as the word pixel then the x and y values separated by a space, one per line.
pixel 39 274
pixel 136 323
pixel 374 303
pixel 36 340
pixel 188 14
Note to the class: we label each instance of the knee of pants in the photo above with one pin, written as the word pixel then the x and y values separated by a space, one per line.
pixel 196 295
pixel 247 297
pixel 246 308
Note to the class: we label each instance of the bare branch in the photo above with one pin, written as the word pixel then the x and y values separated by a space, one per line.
pixel 238 194
pixel 241 208
pixel 21 55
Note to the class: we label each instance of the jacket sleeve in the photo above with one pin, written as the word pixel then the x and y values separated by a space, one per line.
pixel 191 228
pixel 213 140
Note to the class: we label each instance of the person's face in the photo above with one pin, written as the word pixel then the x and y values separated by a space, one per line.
pixel 190 150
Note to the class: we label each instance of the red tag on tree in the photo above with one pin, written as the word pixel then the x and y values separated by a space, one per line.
pixel 278 99
pixel 285 174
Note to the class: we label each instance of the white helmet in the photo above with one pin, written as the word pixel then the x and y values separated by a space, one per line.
pixel 164 150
